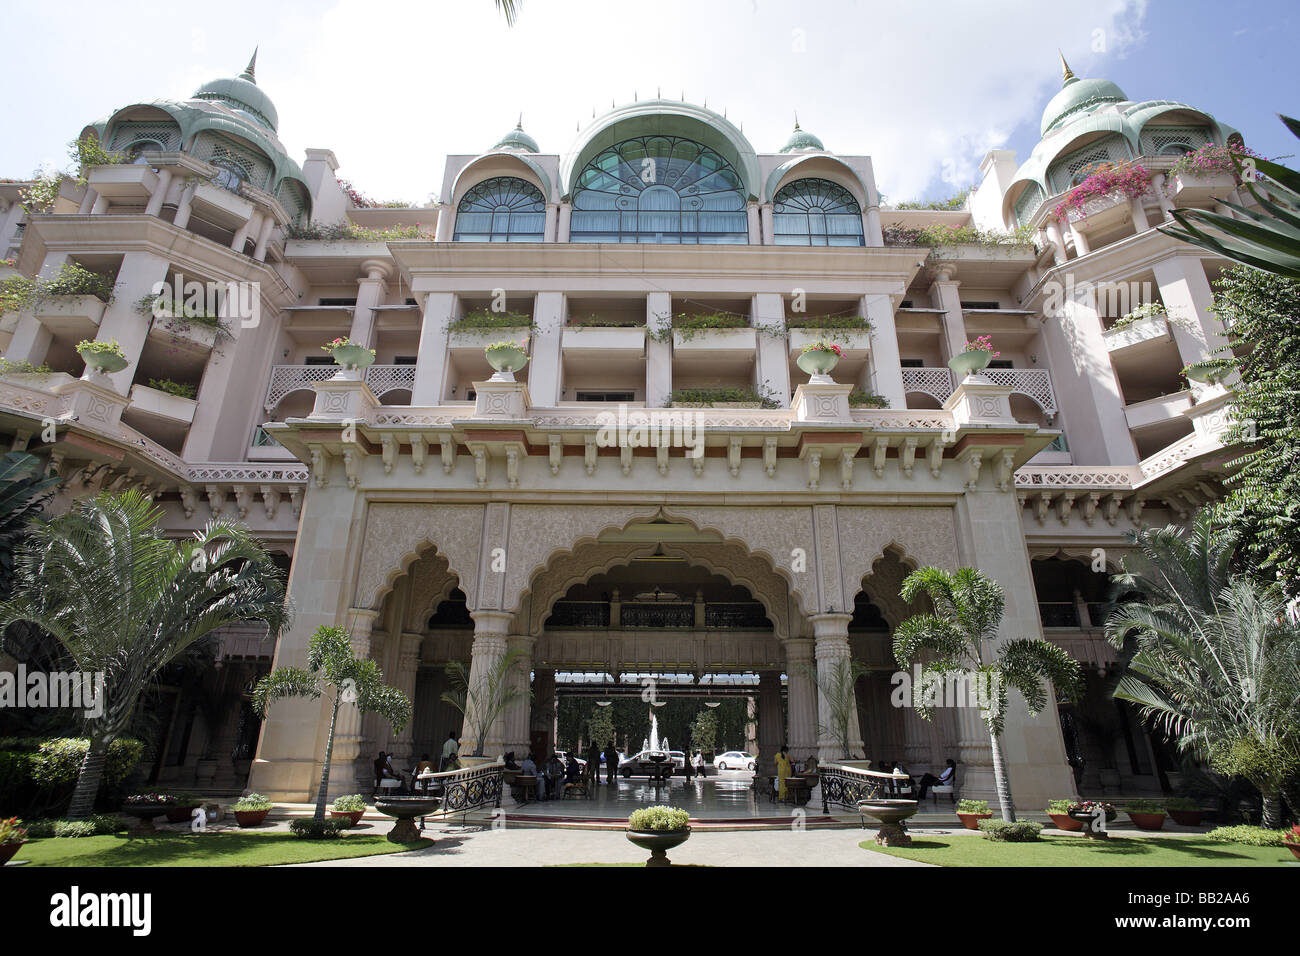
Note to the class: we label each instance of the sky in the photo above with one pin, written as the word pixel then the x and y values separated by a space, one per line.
pixel 924 87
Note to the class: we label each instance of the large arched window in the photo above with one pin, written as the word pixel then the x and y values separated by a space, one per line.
pixel 659 189
pixel 816 212
pixel 502 209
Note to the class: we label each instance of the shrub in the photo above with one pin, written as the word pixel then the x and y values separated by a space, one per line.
pixel 1001 831
pixel 487 319
pixel 22 367
pixel 1130 179
pixel 346 231
pixel 1144 806
pixel 252 803
pixel 860 398
pixel 90 346
pixel 310 829
pixel 12 831
pixel 972 806
pixel 179 389
pixel 713 394
pixel 1246 835
pixel 16 294
pixel 52 763
pixel 833 323
pixel 108 823
pixel 72 279
pixel 605 322
pixel 40 829
pixel 659 819
pixel 1059 806
pixel 349 804
pixel 75 829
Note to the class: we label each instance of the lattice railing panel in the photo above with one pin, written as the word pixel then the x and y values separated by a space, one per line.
pixel 1035 383
pixel 935 382
pixel 385 378
pixel 292 378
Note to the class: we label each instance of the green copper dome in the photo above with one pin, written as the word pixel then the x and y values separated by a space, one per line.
pixel 801 140
pixel 243 94
pixel 1078 96
pixel 518 139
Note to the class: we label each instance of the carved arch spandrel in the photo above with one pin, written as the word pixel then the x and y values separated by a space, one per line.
pixel 538 534
pixel 728 560
pixel 431 584
pixel 922 536
pixel 397 533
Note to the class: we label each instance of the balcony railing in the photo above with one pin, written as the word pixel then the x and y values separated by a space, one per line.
pixel 1033 383
pixel 746 615
pixel 1066 614
pixel 382 379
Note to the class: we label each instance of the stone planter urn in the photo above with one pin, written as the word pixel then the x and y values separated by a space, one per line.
pixel 818 363
pixel 505 360
pixel 659 842
pixel 1086 824
pixel 404 810
pixel 970 362
pixel 353 357
pixel 250 818
pixel 1063 821
pixel 8 850
pixel 144 814
pixel 890 814
pixel 180 814
pixel 103 362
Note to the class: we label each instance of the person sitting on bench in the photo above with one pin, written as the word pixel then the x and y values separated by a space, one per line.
pixel 943 780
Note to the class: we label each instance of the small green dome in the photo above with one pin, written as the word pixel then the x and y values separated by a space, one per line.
pixel 242 93
pixel 519 140
pixel 1079 96
pixel 802 141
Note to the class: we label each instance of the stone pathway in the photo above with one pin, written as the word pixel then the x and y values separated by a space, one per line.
pixel 475 846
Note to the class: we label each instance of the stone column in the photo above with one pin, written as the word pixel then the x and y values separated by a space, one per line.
pixel 755 226
pixel 831 645
pixel 542 716
pixel 371 290
pixel 767 224
pixel 486 654
pixel 552 222
pixel 264 238
pixel 549 312
pixel 658 355
pixel 442 230
pixel 945 294
pixel 431 362
pixel 251 227
pixel 888 381
pixel 1053 230
pixel 1187 296
pixel 139 273
pixel 562 227
pixel 773 367
pixel 408 669
pixel 155 204
pixel 875 234
pixel 802 690
pixel 518 712
pixel 989 537
pixel 186 205
pixel 350 766
pixel 771 726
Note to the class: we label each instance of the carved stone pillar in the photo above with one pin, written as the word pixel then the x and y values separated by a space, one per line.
pixel 408 668
pixel 802 690
pixel 486 655
pixel 771 727
pixel 518 712
pixel 350 766
pixel 831 645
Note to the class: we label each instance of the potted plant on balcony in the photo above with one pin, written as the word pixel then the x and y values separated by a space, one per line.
pixel 1184 811
pixel 975 358
pixel 658 829
pixel 1059 811
pixel 348 354
pixel 251 810
pixel 1146 814
pixel 12 838
pixel 818 358
pixel 972 812
pixel 350 808
pixel 506 357
pixel 103 357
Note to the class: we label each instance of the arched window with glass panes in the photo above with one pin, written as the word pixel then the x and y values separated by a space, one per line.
pixel 501 209
pixel 659 189
pixel 816 212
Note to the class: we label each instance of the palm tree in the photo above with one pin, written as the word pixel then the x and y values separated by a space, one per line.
pixel 959 635
pixel 1215 660
pixel 1267 238
pixel 332 667
pixel 836 685
pixel 482 699
pixel 509 9
pixel 23 493
pixel 123 601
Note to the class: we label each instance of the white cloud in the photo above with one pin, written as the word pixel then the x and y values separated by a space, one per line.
pixel 392 86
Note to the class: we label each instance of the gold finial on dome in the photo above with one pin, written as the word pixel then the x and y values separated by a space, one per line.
pixel 1066 73
pixel 250 71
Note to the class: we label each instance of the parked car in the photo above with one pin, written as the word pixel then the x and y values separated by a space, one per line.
pixel 640 763
pixel 564 757
pixel 734 760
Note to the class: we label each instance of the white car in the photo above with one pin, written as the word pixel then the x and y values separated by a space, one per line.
pixel 640 763
pixel 734 760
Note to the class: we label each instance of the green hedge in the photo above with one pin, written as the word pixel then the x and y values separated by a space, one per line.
pixel 40 773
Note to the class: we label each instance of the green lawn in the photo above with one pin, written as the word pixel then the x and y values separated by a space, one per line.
pixel 212 849
pixel 1080 851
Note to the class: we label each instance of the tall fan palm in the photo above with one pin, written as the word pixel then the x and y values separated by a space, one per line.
pixel 960 636
pixel 1215 661
pixel 482 698
pixel 1267 238
pixel 332 667
pixel 123 601
pixel 23 492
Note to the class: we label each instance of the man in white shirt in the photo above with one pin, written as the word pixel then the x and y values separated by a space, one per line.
pixel 449 750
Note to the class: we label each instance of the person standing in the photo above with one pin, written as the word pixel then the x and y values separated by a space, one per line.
pixel 687 767
pixel 593 766
pixel 450 747
pixel 611 762
pixel 784 770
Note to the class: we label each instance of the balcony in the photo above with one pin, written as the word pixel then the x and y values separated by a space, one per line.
pixel 1033 383
pixel 126 185
pixel 705 343
pixel 1157 411
pixel 382 379
pixel 741 615
pixel 163 406
pixel 852 344
pixel 1139 337
pixel 71 315
pixel 603 342
pixel 1192 189
pixel 221 207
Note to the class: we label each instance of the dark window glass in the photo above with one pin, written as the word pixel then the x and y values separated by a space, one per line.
pixel 816 212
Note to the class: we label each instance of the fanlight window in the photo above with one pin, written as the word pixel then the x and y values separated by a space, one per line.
pixel 816 212
pixel 503 209
pixel 659 189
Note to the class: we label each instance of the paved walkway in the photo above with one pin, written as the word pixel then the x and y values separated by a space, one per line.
pixel 473 846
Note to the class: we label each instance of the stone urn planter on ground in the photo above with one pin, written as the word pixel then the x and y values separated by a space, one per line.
pixel 1088 816
pixel 404 810
pixel 144 814
pixel 658 829
pixel 890 814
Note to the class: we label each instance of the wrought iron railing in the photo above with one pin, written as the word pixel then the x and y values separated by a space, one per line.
pixel 746 614
pixel 845 786
pixel 579 614
pixel 465 790
pixel 1058 613
pixel 657 615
